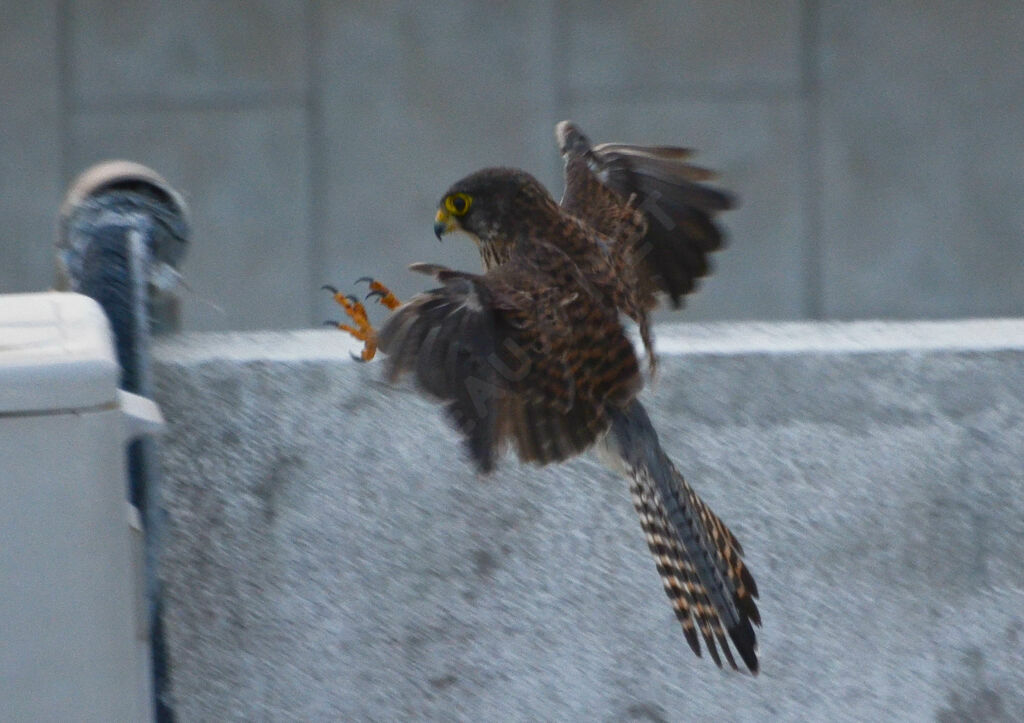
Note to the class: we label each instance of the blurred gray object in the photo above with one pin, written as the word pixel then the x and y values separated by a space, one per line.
pixel 105 202
pixel 123 232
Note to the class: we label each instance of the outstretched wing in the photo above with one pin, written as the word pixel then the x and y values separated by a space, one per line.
pixel 672 195
pixel 698 558
pixel 509 356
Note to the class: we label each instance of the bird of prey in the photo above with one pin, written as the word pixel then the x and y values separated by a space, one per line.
pixel 532 354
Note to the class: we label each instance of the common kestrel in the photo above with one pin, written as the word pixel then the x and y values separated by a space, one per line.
pixel 532 354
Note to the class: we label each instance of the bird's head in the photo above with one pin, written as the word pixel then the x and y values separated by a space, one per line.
pixel 495 207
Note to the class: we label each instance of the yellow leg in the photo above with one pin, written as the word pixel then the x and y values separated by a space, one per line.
pixel 363 329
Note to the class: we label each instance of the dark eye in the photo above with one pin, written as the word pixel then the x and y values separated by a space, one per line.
pixel 458 204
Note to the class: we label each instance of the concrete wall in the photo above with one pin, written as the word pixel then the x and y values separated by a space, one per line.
pixel 876 145
pixel 330 556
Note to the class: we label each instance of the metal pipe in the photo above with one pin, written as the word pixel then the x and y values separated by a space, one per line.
pixel 123 232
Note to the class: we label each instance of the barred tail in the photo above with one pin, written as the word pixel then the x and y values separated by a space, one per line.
pixel 698 558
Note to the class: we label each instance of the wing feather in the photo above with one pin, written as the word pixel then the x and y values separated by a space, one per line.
pixel 606 182
pixel 507 371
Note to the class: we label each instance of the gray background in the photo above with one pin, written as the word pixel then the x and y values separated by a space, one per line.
pixel 878 147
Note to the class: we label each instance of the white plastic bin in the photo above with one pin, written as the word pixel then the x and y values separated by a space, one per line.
pixel 73 643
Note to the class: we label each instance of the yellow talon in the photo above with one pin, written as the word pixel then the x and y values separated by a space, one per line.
pixel 383 293
pixel 363 329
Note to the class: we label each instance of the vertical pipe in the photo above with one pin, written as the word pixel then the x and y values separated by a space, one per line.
pixel 123 230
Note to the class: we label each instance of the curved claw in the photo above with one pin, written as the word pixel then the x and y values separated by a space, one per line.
pixel 375 292
pixel 328 287
pixel 360 327
pixel 367 279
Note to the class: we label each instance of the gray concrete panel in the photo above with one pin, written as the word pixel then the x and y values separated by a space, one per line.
pixel 643 49
pixel 414 97
pixel 30 144
pixel 922 123
pixel 332 556
pixel 245 176
pixel 188 52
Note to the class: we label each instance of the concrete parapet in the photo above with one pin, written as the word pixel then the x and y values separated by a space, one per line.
pixel 330 555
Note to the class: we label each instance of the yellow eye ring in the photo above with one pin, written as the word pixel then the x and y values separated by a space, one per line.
pixel 458 204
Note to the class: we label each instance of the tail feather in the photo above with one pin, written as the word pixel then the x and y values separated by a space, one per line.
pixel 697 556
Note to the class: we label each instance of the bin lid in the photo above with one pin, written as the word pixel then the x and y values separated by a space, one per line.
pixel 56 354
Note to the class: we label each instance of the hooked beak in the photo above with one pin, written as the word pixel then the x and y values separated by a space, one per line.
pixel 443 223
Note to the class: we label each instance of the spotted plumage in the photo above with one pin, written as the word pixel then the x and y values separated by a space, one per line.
pixel 532 354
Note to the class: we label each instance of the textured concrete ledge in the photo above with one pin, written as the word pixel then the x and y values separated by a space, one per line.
pixel 330 556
